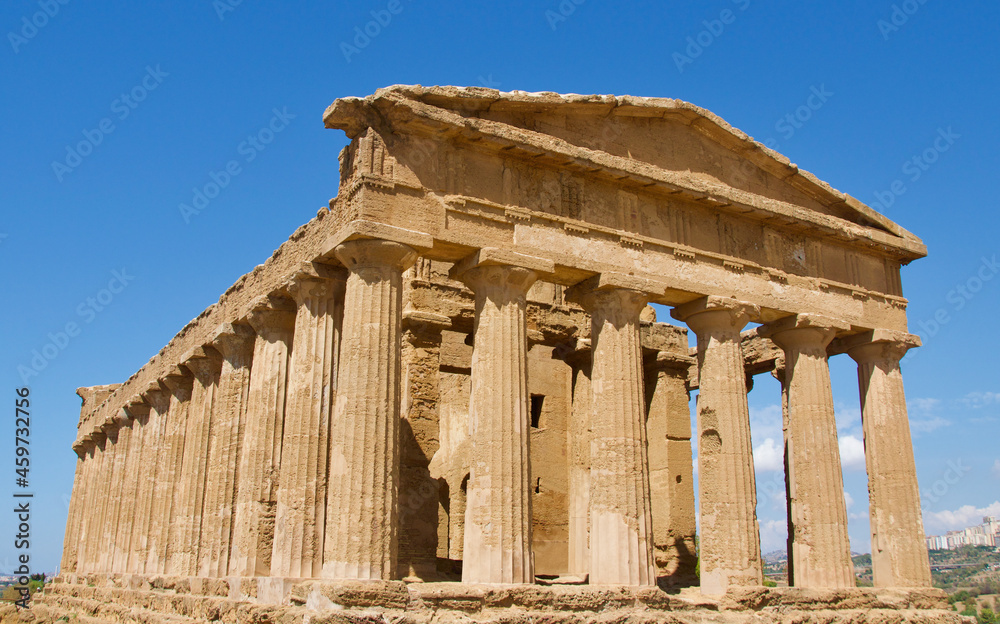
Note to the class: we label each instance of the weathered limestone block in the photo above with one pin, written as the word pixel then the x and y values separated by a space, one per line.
pixel 300 516
pixel 205 365
pixel 621 533
pixel 498 500
pixel 235 342
pixel 730 537
pixel 260 449
pixel 820 547
pixel 671 482
pixel 899 552
pixel 364 439
pixel 148 525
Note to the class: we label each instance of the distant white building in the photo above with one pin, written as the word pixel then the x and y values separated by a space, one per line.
pixel 985 534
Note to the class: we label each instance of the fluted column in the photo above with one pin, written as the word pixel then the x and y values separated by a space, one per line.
pixel 729 544
pixel 178 383
pixel 205 364
pixel 144 534
pixel 235 343
pixel 92 516
pixel 71 539
pixel 138 412
pixel 671 479
pixel 621 533
pixel 114 508
pixel 820 546
pixel 260 452
pixel 364 444
pixel 312 381
pixel 498 519
pixel 580 358
pixel 899 552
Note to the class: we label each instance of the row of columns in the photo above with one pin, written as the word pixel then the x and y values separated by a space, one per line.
pixel 223 467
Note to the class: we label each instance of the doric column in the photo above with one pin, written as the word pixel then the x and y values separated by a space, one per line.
pixel 420 439
pixel 205 363
pixel 273 318
pixel 91 515
pixel 820 547
pixel 899 552
pixel 729 544
pixel 621 540
pixel 364 441
pixel 178 383
pixel 580 359
pixel 103 507
pixel 498 500
pixel 115 507
pixel 671 479
pixel 312 382
pixel 235 343
pixel 71 539
pixel 145 535
pixel 138 411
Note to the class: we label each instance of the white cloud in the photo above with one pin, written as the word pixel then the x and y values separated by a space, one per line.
pixel 939 522
pixel 848 418
pixel 976 400
pixel 923 405
pixel 766 422
pixel 996 469
pixel 927 425
pixel 768 457
pixel 852 453
pixel 848 500
pixel 773 535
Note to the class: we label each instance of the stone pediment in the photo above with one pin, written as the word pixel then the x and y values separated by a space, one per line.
pixel 654 145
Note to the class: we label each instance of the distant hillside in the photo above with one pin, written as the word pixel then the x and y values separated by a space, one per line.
pixel 969 568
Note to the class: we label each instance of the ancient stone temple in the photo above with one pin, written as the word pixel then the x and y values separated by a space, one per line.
pixel 447 392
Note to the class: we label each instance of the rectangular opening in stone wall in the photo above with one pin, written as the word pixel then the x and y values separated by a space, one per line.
pixel 537 401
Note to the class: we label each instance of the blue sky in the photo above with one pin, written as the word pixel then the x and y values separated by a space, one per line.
pixel 164 95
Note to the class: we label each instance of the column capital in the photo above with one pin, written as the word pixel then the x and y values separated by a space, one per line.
pixel 475 268
pixel 628 291
pixel 122 417
pixel 272 316
pixel 778 372
pixel 421 325
pixel 157 397
pixel 877 344
pixel 315 280
pixel 137 407
pixel 803 331
pixel 667 361
pixel 362 230
pixel 715 312
pixel 367 253
pixel 203 362
pixel 233 340
pixel 179 381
